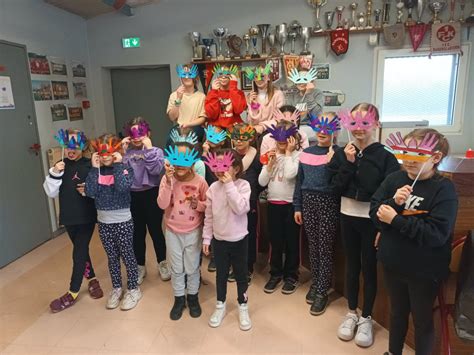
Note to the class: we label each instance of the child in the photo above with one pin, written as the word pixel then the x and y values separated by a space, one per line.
pixel 317 208
pixel 185 134
pixel 227 205
pixel 280 176
pixel 76 212
pixel 356 173
pixel 243 135
pixel 146 162
pixel 416 211
pixel 109 183
pixel 183 196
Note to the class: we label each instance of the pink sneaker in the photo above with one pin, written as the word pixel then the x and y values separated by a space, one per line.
pixel 61 303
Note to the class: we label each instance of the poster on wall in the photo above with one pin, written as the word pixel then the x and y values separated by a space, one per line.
pixel 38 64
pixel 6 94
pixel 322 71
pixel 58 66
pixel 80 90
pixel 333 98
pixel 78 69
pixel 42 90
pixel 60 90
pixel 58 112
pixel 75 113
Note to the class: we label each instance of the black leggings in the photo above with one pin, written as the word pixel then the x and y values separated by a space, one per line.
pixel 80 236
pixel 252 218
pixel 146 213
pixel 227 254
pixel 415 295
pixel 358 236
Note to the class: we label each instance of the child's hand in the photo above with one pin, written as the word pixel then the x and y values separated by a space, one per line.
pixel 95 160
pixel 169 171
pixel 330 154
pixel 193 201
pixel 386 214
pixel 298 218
pixel 59 167
pixel 271 160
pixel 117 157
pixel 216 84
pixel 226 178
pixel 205 148
pixel 80 188
pixel 350 152
pixel 290 148
pixel 126 142
pixel 402 194
pixel 147 142
pixel 205 249
pixel 180 92
pixel 253 96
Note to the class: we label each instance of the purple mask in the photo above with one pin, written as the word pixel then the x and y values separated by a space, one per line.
pixel 137 131
pixel 281 134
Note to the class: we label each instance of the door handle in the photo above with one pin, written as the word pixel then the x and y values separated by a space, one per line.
pixel 35 148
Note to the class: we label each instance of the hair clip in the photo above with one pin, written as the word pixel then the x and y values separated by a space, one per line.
pixel 221 165
pixel 186 72
pixel 412 151
pixel 278 115
pixel 189 138
pixel 213 136
pixel 353 121
pixel 300 77
pixel 137 132
pixel 245 133
pixel 257 73
pixel 177 158
pixel 324 125
pixel 281 133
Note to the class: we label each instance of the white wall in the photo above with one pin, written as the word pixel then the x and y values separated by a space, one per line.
pixel 163 28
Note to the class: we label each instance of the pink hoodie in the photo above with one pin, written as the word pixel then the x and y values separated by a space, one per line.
pixel 264 114
pixel 227 206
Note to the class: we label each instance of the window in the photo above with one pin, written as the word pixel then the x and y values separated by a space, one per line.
pixel 411 86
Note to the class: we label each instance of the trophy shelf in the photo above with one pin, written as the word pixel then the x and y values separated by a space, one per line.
pixel 242 60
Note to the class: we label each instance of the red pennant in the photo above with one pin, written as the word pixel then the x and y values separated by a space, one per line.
pixel 417 33
pixel 340 41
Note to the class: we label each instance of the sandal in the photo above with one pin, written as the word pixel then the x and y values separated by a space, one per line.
pixel 94 289
pixel 61 303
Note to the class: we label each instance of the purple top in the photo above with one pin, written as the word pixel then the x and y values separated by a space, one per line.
pixel 147 165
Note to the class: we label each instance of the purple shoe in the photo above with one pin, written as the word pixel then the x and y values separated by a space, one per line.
pixel 61 303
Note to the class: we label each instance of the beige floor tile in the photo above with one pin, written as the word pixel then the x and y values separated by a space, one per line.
pixel 144 333
pixel 27 349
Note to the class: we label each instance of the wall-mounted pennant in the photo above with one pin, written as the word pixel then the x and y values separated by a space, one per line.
pixel 417 33
pixel 394 35
pixel 446 38
pixel 340 41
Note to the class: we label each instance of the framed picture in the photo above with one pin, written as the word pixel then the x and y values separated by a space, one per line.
pixel 80 90
pixel 323 71
pixel 78 69
pixel 75 113
pixel 60 90
pixel 58 112
pixel 42 90
pixel 333 98
pixel 38 64
pixel 58 66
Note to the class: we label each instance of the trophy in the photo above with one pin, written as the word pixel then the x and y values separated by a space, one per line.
pixel 253 32
pixel 294 33
pixel 281 35
pixel 220 33
pixel 400 5
pixel 462 5
pixel 409 4
pixel 317 4
pixel 234 43
pixel 246 39
pixel 420 7
pixel 329 15
pixel 339 10
pixel 263 29
pixel 360 20
pixel 208 42
pixel 228 55
pixel 452 5
pixel 305 35
pixel 195 38
pixel 386 12
pixel 271 41
pixel 369 14
pixel 378 13
pixel 353 7
pixel 436 7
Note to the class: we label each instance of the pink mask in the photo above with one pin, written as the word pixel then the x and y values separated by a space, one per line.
pixel 356 120
pixel 221 164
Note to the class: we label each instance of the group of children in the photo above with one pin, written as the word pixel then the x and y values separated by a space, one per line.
pixel 209 189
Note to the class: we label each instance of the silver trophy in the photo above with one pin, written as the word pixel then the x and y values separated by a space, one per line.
pixel 281 35
pixel 271 41
pixel 253 32
pixel 317 4
pixel 436 7
pixel 369 14
pixel 246 38
pixel 420 8
pixel 329 15
pixel 452 6
pixel 263 29
pixel 400 5
pixel 462 6
pixel 386 13
pixel 293 33
pixel 409 4
pixel 305 35
pixel 360 20
pixel 208 42
pixel 195 39
pixel 339 10
pixel 378 22
pixel 220 33
pixel 353 7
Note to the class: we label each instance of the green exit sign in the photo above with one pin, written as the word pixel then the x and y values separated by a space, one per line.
pixel 132 42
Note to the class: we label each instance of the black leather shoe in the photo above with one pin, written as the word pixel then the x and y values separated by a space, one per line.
pixel 272 284
pixel 178 307
pixel 194 306
pixel 319 305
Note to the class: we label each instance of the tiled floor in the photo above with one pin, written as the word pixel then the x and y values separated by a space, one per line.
pixel 281 324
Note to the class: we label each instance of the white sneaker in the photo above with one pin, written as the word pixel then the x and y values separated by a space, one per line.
pixel 164 270
pixel 131 298
pixel 347 328
pixel 141 273
pixel 218 315
pixel 244 319
pixel 365 332
pixel 114 298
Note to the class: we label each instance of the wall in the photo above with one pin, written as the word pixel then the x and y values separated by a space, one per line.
pixel 163 28
pixel 45 29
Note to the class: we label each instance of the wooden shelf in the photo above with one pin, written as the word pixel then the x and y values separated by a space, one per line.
pixel 232 60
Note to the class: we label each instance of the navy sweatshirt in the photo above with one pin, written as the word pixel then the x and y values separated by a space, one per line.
pixel 312 174
pixel 418 241
pixel 114 195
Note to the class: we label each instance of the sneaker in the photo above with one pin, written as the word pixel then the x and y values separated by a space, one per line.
pixel 178 307
pixel 194 306
pixel 244 319
pixel 218 315
pixel 141 273
pixel 311 295
pixel 365 332
pixel 272 284
pixel 61 303
pixel 131 298
pixel 211 267
pixel 319 305
pixel 347 328
pixel 114 298
pixel 231 277
pixel 289 286
pixel 95 291
pixel 164 270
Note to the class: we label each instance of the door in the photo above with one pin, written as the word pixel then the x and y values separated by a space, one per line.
pixel 24 216
pixel 143 92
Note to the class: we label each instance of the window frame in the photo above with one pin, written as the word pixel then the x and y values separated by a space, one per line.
pixel 381 53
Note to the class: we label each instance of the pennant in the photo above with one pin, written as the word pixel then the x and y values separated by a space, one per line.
pixel 417 33
pixel 340 41
pixel 394 35
pixel 446 38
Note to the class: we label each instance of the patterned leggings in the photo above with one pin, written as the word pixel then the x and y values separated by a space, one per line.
pixel 320 220
pixel 117 239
